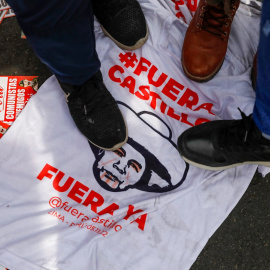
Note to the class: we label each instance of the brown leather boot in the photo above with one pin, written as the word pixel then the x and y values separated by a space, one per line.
pixel 206 40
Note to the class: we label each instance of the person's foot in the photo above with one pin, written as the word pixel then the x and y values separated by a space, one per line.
pixel 206 40
pixel 123 21
pixel 224 144
pixel 95 113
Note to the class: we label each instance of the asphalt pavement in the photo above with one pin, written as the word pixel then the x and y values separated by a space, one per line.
pixel 242 242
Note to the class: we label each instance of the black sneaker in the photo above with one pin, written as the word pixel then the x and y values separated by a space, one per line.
pixel 123 21
pixel 96 113
pixel 224 144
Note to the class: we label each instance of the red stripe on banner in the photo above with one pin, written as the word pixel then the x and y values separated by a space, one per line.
pixel 10 13
pixel 2 14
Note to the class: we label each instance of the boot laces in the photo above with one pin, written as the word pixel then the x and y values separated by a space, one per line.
pixel 213 19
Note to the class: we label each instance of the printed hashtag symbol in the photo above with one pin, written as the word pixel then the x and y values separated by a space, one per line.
pixel 128 59
pixel 178 3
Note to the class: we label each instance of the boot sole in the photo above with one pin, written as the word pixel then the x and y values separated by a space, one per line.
pixel 262 163
pixel 137 45
pixel 117 146
pixel 202 79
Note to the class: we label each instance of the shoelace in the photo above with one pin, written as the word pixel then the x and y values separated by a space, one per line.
pixel 97 99
pixel 238 134
pixel 213 19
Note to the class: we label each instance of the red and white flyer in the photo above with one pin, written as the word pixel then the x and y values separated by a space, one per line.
pixel 3 14
pixel 15 91
pixel 4 5
pixel 10 13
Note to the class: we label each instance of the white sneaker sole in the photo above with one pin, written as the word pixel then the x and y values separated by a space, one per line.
pixel 262 163
pixel 138 44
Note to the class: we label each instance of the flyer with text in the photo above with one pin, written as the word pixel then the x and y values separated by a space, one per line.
pixel 15 91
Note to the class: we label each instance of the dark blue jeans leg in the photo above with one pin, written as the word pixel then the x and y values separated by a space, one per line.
pixel 61 33
pixel 261 112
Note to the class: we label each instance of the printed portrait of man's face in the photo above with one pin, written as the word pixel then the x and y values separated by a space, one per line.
pixel 131 167
pixel 121 168
pixel 137 164
pixel 26 83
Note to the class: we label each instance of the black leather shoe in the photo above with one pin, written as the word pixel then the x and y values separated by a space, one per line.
pixel 224 144
pixel 95 113
pixel 123 21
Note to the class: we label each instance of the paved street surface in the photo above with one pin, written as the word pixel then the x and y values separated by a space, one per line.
pixel 243 240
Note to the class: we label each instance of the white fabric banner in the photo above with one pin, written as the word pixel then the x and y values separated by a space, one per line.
pixel 65 204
